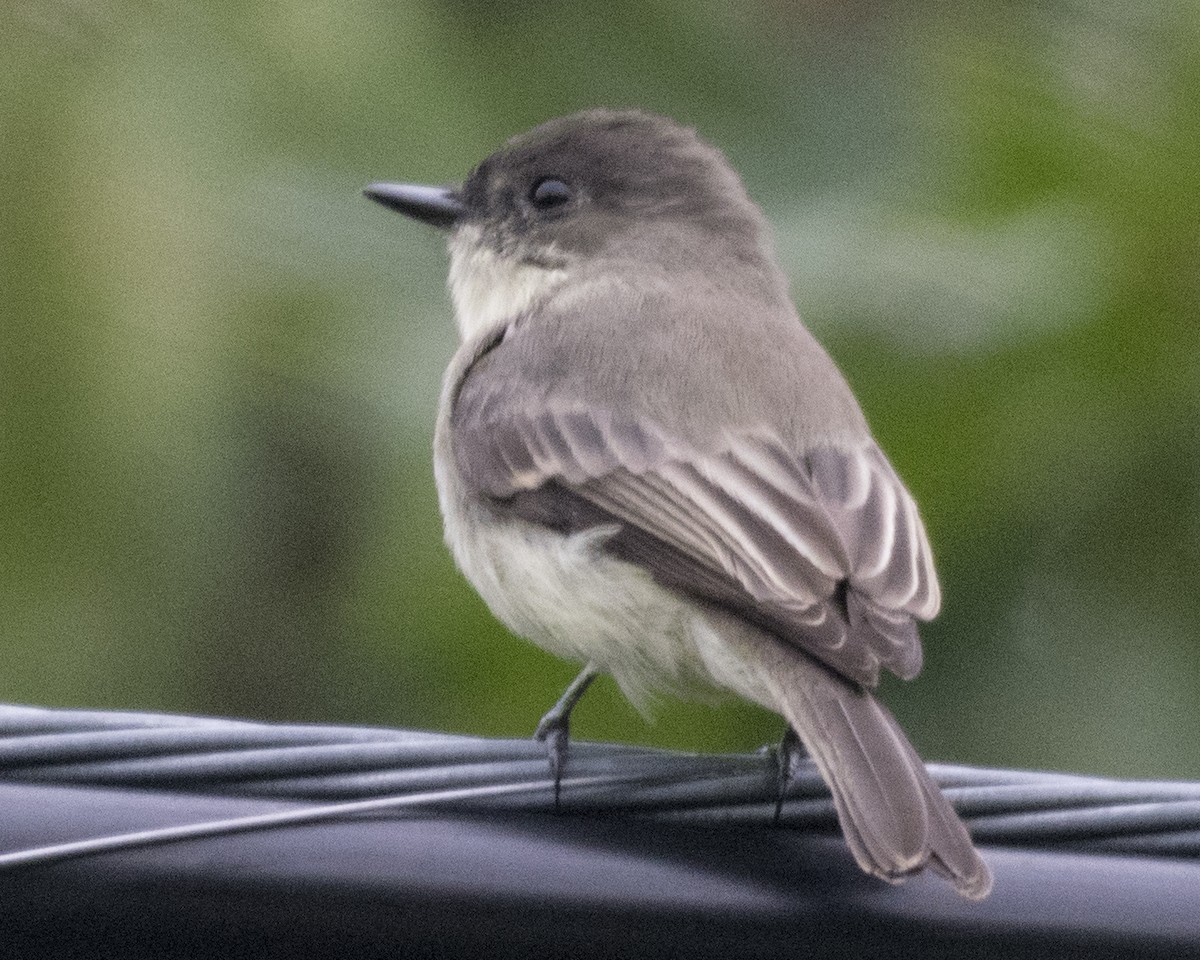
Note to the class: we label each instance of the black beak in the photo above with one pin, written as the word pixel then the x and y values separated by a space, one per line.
pixel 437 206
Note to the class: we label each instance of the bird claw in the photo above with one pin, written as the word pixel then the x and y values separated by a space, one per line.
pixel 554 729
pixel 554 732
pixel 788 755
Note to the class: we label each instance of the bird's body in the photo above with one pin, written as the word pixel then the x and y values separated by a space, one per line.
pixel 646 463
pixel 558 585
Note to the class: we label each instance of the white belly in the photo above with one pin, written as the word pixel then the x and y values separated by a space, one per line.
pixel 568 596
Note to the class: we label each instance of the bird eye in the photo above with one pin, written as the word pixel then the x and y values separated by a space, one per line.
pixel 549 193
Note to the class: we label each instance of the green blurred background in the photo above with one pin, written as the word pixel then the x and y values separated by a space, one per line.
pixel 219 365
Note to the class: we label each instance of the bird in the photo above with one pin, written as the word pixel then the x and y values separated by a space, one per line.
pixel 646 463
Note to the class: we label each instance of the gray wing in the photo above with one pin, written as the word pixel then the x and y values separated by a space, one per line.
pixel 822 546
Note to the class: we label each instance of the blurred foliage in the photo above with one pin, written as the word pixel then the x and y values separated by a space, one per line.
pixel 219 365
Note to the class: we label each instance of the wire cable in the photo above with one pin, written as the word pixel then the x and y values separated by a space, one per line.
pixel 345 771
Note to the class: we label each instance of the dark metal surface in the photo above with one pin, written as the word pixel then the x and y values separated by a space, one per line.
pixel 679 861
pixel 545 885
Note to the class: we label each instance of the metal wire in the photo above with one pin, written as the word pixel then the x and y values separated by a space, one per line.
pixel 338 768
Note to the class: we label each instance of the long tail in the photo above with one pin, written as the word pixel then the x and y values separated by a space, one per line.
pixel 893 815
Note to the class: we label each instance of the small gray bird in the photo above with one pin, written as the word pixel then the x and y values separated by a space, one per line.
pixel 647 464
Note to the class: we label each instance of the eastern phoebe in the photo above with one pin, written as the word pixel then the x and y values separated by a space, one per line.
pixel 647 464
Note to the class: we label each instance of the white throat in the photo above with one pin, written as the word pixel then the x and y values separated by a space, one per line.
pixel 489 289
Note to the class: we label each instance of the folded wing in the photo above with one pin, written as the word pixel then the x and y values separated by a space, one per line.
pixel 822 546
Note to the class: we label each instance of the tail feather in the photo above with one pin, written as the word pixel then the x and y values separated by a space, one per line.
pixel 895 819
pixel 952 853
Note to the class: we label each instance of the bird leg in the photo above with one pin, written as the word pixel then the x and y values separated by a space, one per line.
pixel 554 729
pixel 788 755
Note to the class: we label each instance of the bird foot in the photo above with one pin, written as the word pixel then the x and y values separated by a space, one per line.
pixel 554 729
pixel 554 732
pixel 788 755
